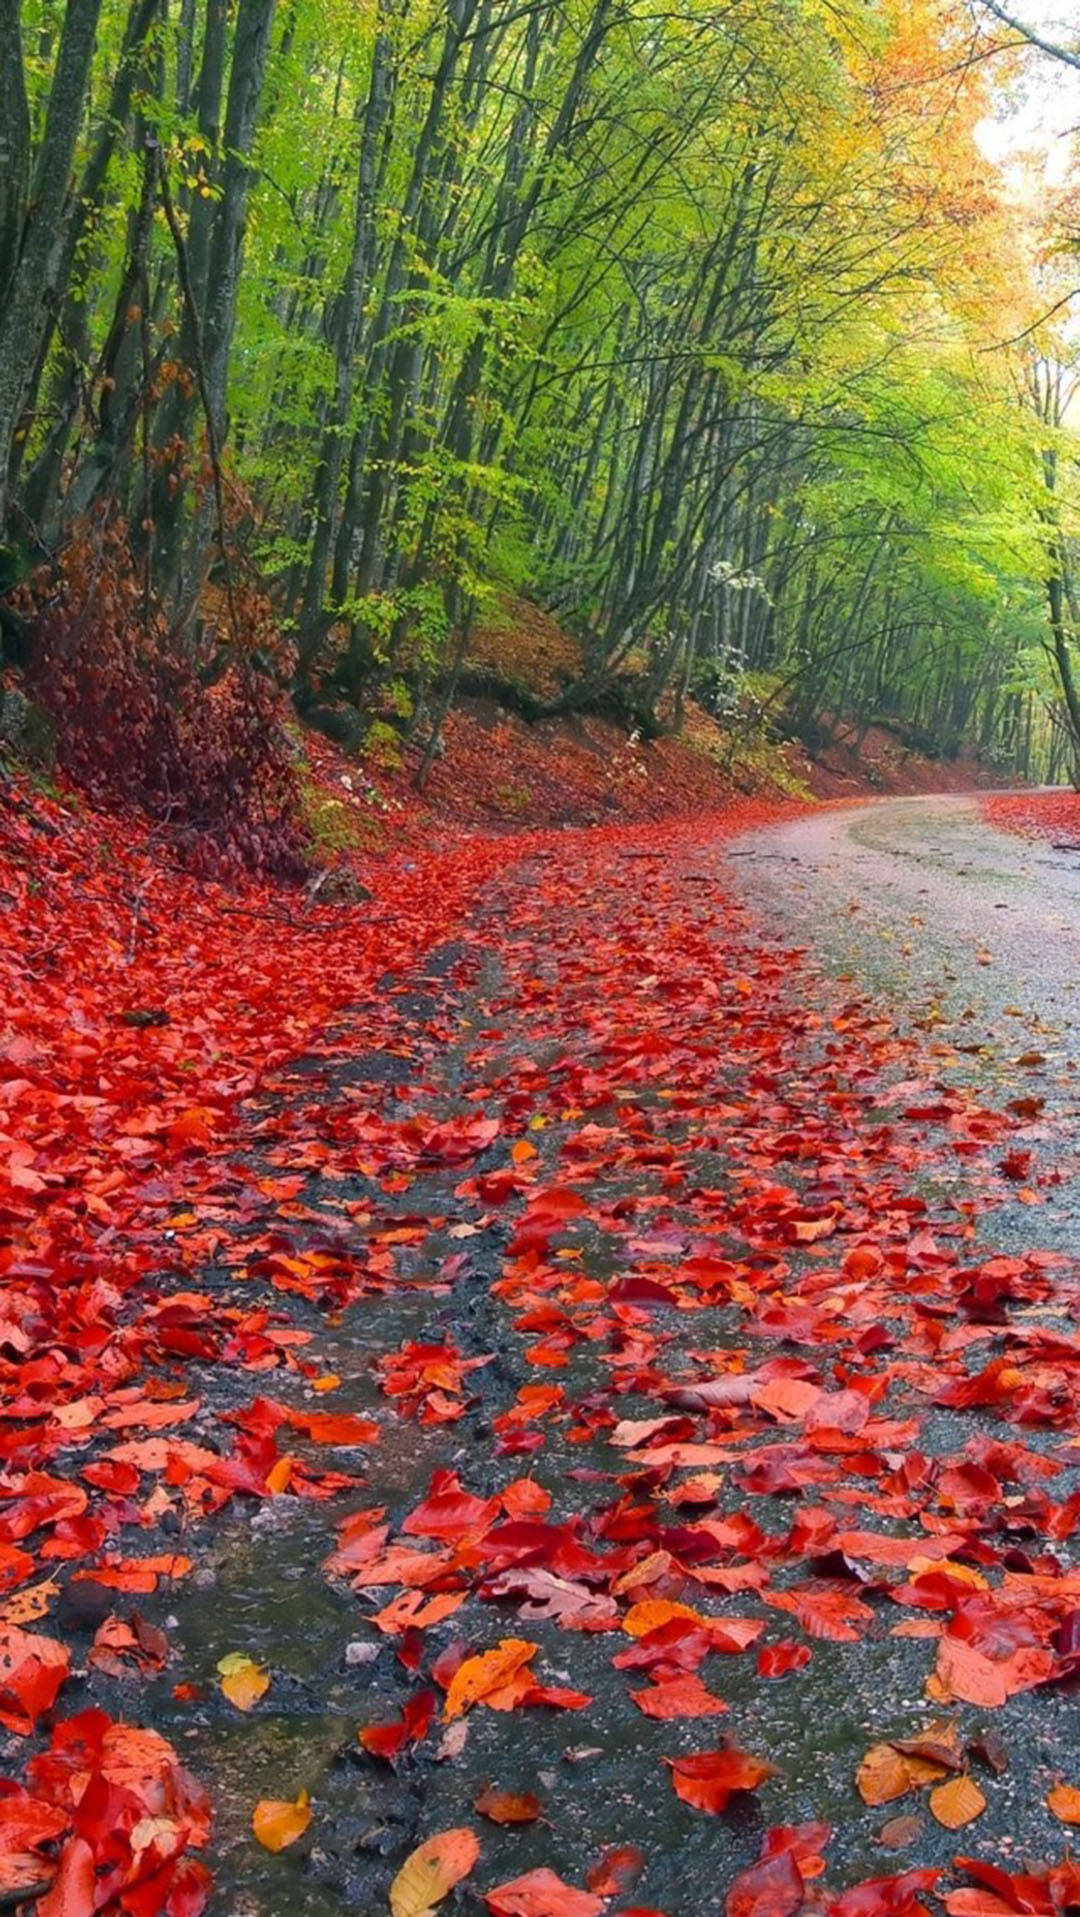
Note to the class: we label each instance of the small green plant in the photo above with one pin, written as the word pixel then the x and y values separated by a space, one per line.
pixel 330 827
pixel 511 800
pixel 382 747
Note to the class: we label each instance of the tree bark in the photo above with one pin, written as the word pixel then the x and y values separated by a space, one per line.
pixel 32 279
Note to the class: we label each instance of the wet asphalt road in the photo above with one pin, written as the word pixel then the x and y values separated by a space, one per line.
pixel 922 897
pixel 966 934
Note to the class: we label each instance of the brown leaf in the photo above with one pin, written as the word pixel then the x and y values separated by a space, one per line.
pixel 616 1872
pixel 886 1773
pixel 507 1807
pixel 899 1832
pixel 939 1743
pixel 989 1748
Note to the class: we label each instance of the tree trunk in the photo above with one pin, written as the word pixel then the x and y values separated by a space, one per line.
pixel 214 322
pixel 347 330
pixel 32 279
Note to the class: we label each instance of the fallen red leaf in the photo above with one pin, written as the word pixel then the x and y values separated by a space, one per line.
pixel 708 1779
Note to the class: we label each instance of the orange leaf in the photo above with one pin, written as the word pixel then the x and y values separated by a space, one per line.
pixel 709 1778
pixel 541 1894
pixel 968 1674
pixel 1064 1801
pixel 651 1613
pixel 32 1669
pixel 26 1606
pixel 243 1681
pixel 886 1774
pixel 489 1671
pixel 684 1696
pixel 411 1610
pixel 957 1803
pixel 431 1872
pixel 277 1824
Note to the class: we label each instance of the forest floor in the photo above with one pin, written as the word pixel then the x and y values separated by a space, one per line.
pixel 568 1359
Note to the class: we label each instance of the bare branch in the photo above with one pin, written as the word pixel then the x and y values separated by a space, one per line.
pixel 1029 34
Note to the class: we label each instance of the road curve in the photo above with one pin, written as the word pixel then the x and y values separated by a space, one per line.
pixel 923 895
pixel 967 933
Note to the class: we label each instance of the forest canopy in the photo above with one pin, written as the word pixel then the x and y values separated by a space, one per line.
pixel 708 327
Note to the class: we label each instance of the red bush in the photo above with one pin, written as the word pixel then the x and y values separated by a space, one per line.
pixel 185 728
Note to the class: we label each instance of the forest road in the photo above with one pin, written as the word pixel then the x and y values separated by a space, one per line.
pixel 530 1324
pixel 961 929
pixel 922 896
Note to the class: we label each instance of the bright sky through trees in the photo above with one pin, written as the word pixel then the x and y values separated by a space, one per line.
pixel 1038 116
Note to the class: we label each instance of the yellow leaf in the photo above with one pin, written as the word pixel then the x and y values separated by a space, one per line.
pixel 957 1803
pixel 242 1680
pixel 478 1675
pixel 26 1606
pixel 1064 1801
pixel 431 1872
pixel 277 1824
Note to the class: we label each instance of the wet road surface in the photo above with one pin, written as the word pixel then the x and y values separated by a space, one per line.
pixel 965 938
pixel 921 896
pixel 962 935
pixel 966 933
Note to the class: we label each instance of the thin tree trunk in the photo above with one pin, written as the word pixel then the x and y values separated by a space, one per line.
pixel 347 330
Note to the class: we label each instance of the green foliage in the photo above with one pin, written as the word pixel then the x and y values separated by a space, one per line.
pixel 679 321
pixel 382 746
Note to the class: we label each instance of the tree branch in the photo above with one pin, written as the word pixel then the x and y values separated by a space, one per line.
pixel 1029 34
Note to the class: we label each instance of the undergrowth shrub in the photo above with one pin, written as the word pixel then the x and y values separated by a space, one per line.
pixel 187 728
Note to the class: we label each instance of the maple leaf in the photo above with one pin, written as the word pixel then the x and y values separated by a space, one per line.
pixel 478 1677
